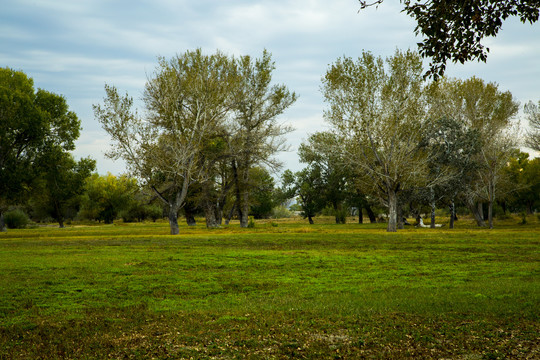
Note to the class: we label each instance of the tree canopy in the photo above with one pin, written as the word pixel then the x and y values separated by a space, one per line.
pixel 33 124
pixel 455 30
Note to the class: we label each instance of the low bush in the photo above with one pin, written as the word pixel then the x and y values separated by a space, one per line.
pixel 16 219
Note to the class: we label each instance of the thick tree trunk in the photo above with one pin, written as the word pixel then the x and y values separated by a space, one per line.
pixel 392 210
pixel 61 223
pixel 190 219
pixel 210 214
pixel 173 220
pixel 310 219
pixel 371 215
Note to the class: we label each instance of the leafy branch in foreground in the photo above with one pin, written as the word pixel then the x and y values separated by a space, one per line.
pixel 454 30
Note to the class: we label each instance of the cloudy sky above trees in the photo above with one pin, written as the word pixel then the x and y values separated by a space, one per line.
pixel 74 47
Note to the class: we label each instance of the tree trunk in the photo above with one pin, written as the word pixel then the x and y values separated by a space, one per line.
pixel 242 196
pixel 392 210
pixel 452 214
pixel 61 223
pixel 310 219
pixel 490 214
pixel 490 204
pixel 2 222
pixel 360 215
pixel 190 219
pixel 480 206
pixel 371 214
pixel 477 215
pixel 173 220
pixel 230 215
pixel 400 222
pixel 244 217
pixel 210 214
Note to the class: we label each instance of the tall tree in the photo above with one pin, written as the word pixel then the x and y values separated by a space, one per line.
pixel 187 100
pixel 524 175
pixel 32 124
pixel 483 108
pixel 307 185
pixel 452 148
pixel 377 109
pixel 322 151
pixel 105 196
pixel 62 183
pixel 533 115
pixel 257 135
pixel 454 30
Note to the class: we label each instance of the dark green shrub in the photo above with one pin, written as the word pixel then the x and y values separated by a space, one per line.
pixel 16 219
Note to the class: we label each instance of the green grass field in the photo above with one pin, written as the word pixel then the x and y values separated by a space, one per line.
pixel 281 290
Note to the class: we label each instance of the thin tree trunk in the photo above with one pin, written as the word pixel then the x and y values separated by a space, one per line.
pixel 241 194
pixel 230 215
pixel 392 210
pixel 490 204
pixel 481 210
pixel 360 215
pixel 2 222
pixel 490 214
pixel 432 225
pixel 244 218
pixel 310 219
pixel 452 214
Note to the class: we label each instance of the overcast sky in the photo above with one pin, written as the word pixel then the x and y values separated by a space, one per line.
pixel 74 47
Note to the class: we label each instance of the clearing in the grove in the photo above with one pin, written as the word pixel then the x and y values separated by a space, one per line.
pixel 280 290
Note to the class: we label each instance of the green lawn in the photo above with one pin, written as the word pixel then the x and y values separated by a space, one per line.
pixel 280 290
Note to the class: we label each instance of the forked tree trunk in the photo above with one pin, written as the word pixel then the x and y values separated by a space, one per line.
pixel 392 211
pixel 473 208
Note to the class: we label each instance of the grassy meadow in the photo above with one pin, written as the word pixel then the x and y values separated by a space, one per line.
pixel 280 290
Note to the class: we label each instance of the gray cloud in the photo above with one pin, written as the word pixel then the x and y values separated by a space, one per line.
pixel 74 48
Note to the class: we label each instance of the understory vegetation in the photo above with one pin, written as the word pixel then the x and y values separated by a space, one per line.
pixel 281 289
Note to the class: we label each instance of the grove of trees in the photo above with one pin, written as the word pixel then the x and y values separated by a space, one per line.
pixel 206 144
